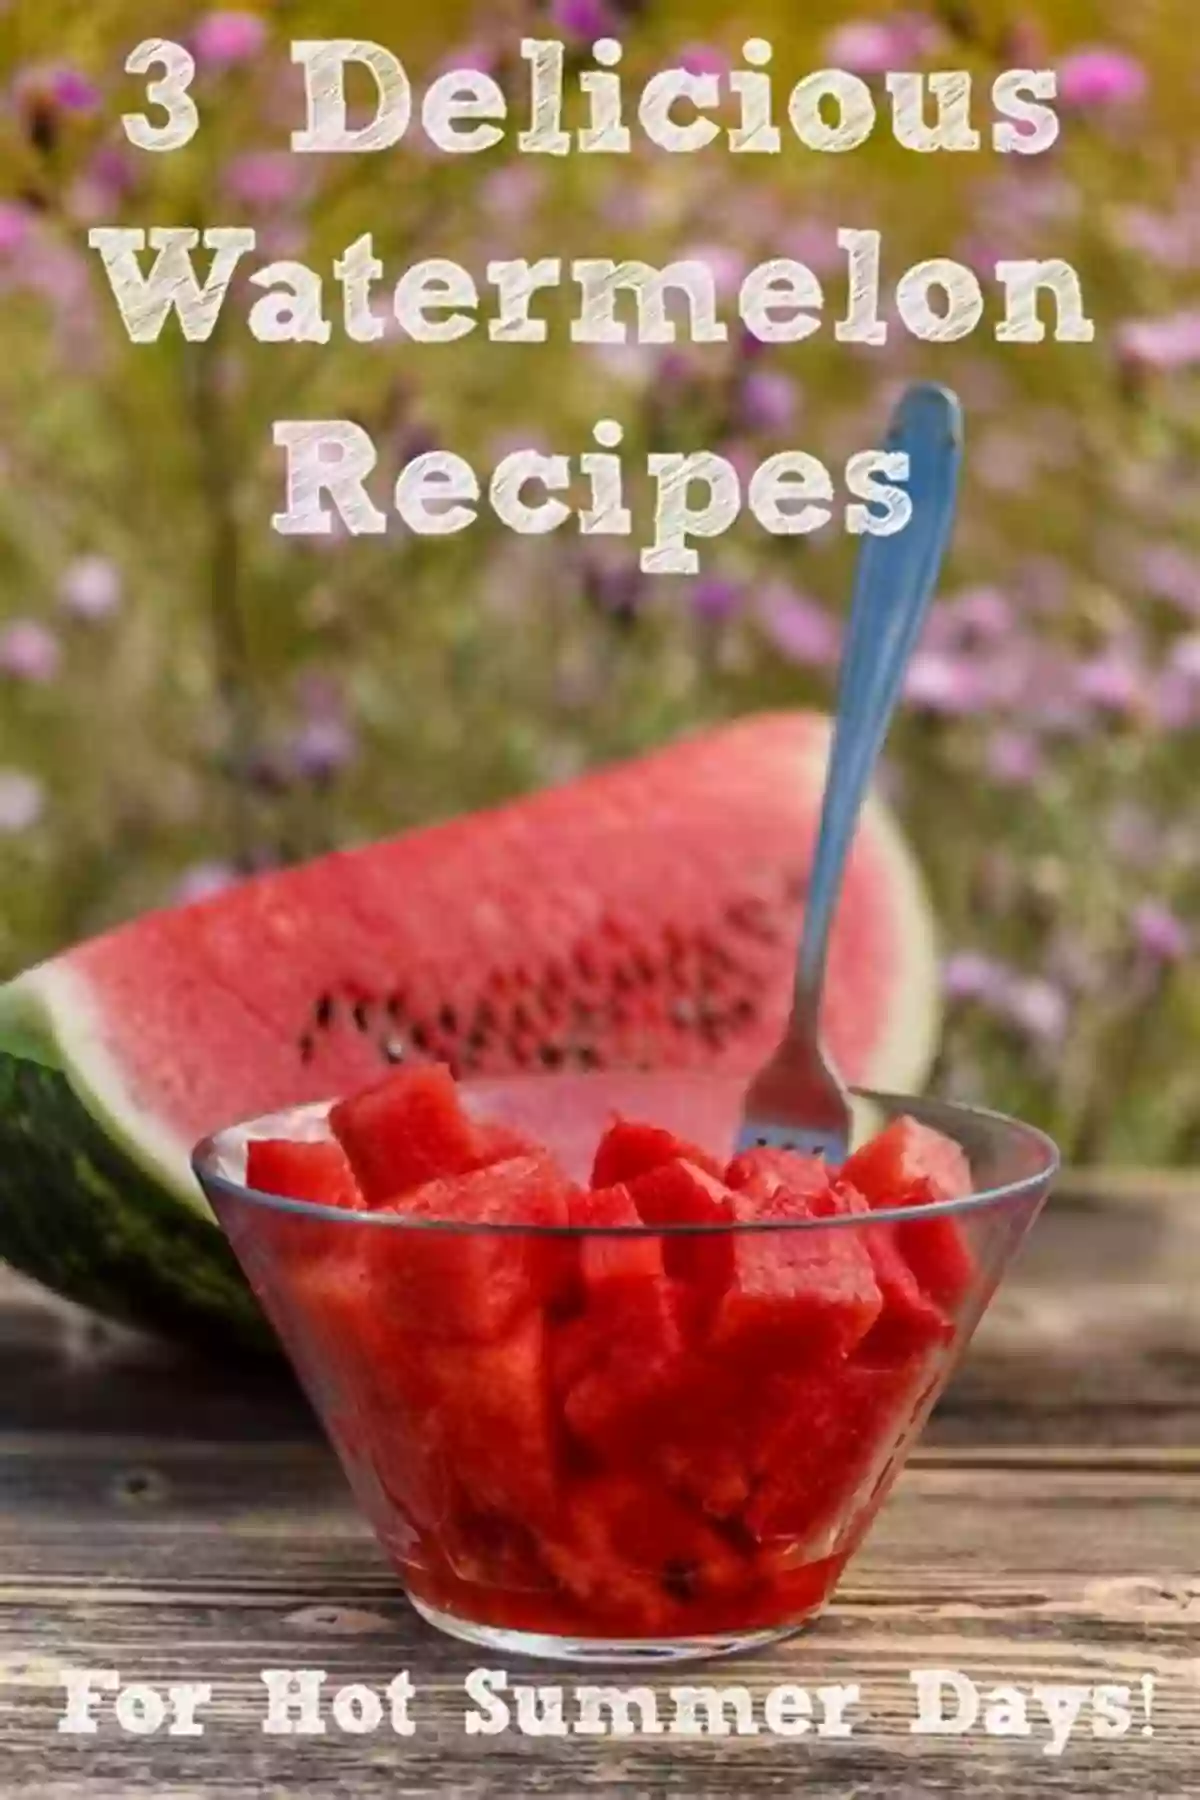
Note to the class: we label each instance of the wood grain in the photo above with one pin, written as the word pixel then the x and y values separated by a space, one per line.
pixel 185 1522
pixel 179 1561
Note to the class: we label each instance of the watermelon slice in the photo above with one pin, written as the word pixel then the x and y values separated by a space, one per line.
pixel 644 915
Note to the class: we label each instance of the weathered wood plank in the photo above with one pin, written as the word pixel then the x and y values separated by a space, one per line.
pixel 1012 1567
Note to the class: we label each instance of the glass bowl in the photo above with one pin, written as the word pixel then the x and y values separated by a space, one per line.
pixel 625 1488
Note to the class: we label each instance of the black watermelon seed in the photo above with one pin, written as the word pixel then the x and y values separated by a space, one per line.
pixel 323 1012
pixel 361 1014
pixel 307 1048
pixel 421 1035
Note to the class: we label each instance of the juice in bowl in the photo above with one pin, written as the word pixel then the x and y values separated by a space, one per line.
pixel 605 1393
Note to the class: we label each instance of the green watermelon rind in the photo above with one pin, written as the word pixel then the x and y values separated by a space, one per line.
pixel 96 1223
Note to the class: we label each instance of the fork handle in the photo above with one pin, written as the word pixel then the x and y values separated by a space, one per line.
pixel 894 583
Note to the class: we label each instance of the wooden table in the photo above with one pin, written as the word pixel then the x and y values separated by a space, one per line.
pixel 177 1525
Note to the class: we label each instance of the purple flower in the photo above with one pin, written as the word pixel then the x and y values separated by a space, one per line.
pixel 1173 701
pixel 1159 933
pixel 91 588
pixel 511 192
pixel 798 627
pixel 981 613
pixel 62 88
pixel 715 598
pixel 477 55
pixel 727 264
pixel 1185 656
pixel 322 748
pixel 587 19
pixel 265 179
pixel 878 46
pixel 29 652
pixel 1115 681
pixel 1165 344
pixel 21 802
pixel 203 881
pixel 971 976
pixel 1039 1008
pixel 768 401
pixel 1100 75
pixel 1172 574
pixel 815 244
pixel 222 39
pixel 944 684
pixel 73 91
pixel 703 59
pixel 1014 758
pixel 15 224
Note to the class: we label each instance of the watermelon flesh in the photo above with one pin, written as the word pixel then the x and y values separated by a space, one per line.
pixel 578 1424
pixel 643 916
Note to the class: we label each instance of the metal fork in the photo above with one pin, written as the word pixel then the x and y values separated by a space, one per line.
pixel 798 1101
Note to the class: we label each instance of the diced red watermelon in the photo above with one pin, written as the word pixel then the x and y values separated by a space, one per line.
pixel 797 1295
pixel 605 1260
pixel 909 1320
pixel 901 1157
pixel 471 1283
pixel 629 1149
pixel 765 1172
pixel 406 1131
pixel 487 1407
pixel 495 1143
pixel 909 1164
pixel 615 1361
pixel 839 1432
pixel 638 1556
pixel 681 1193
pixel 317 1172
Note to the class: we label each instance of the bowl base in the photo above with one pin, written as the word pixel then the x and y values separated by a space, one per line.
pixel 606 1652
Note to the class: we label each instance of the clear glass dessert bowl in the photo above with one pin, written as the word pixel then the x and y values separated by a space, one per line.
pixel 627 1443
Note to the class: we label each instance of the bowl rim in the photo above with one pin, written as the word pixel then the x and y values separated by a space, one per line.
pixel 206 1153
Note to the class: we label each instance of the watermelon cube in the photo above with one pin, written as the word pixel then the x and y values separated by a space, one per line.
pixel 908 1164
pixel 486 1407
pixel 765 1172
pixel 605 1260
pixel 908 1320
pixel 406 1131
pixel 905 1155
pixel 797 1296
pixel 638 1557
pixel 471 1282
pixel 616 1366
pixel 629 1149
pixel 614 1361
pixel 681 1193
pixel 839 1437
pixel 318 1172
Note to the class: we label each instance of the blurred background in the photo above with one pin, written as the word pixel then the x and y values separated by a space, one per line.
pixel 186 698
